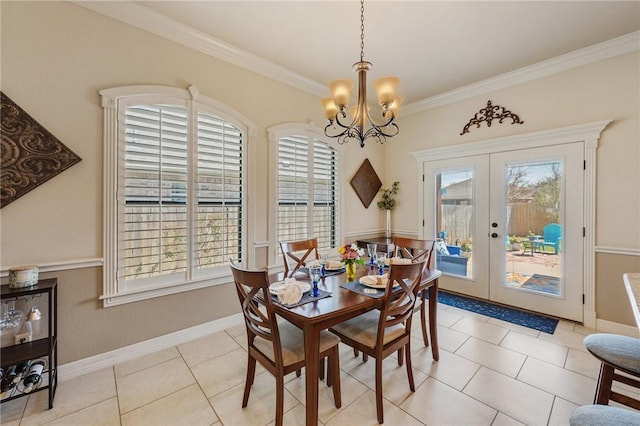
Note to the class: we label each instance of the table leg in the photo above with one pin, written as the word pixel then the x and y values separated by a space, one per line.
pixel 311 355
pixel 433 320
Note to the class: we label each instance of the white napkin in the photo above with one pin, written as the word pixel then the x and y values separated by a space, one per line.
pixel 290 292
pixel 334 265
pixel 375 280
pixel 399 261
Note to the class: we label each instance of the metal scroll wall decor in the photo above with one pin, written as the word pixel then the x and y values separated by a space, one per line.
pixel 489 113
pixel 30 154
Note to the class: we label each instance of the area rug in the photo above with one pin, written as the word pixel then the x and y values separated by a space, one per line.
pixel 537 282
pixel 514 316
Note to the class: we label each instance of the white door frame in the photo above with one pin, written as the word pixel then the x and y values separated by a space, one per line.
pixel 588 133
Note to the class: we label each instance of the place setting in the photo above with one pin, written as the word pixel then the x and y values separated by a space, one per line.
pixel 291 293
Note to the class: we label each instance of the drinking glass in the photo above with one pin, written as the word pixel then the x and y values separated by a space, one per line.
pixel 315 272
pixel 323 263
pixel 372 248
pixel 381 260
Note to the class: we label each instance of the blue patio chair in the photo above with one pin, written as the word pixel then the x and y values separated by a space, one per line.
pixel 552 234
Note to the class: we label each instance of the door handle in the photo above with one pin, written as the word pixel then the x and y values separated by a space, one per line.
pixel 494 235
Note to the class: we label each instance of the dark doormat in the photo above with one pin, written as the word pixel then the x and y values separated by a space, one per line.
pixel 514 316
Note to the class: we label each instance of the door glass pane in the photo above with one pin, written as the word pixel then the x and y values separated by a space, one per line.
pixel 455 222
pixel 533 234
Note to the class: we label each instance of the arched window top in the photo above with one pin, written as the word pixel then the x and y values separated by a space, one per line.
pixel 111 97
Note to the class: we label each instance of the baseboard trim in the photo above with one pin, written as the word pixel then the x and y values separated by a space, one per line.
pixel 127 353
pixel 617 328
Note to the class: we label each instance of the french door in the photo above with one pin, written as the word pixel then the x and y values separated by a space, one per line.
pixel 512 225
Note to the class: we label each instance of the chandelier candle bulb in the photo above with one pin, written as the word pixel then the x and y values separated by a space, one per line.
pixel 386 88
pixel 341 90
pixel 330 108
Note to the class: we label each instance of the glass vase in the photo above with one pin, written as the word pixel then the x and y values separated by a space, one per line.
pixel 351 271
pixel 387 232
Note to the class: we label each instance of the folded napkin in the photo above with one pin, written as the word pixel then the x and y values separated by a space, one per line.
pixel 290 292
pixel 399 261
pixel 334 265
pixel 375 280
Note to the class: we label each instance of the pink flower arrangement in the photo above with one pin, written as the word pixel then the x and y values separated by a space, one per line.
pixel 351 253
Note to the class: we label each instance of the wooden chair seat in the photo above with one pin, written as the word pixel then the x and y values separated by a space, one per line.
pixel 364 329
pixel 292 341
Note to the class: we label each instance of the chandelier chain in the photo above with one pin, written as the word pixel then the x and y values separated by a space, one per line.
pixel 361 30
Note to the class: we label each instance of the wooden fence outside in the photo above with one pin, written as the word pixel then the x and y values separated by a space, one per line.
pixel 522 219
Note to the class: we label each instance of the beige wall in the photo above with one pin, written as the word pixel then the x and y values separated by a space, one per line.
pixel 55 57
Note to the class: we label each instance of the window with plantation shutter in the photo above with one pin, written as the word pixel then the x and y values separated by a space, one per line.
pixel 307 187
pixel 174 192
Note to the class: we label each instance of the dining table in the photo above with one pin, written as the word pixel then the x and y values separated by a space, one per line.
pixel 341 305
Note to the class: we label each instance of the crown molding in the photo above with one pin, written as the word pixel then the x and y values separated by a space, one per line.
pixel 146 19
pixel 598 52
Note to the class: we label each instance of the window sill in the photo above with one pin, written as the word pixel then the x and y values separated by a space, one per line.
pixel 137 295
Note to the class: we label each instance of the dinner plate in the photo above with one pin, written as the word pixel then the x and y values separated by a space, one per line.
pixel 327 268
pixel 370 284
pixel 278 285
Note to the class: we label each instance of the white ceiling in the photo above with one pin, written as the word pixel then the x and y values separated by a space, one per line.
pixel 432 46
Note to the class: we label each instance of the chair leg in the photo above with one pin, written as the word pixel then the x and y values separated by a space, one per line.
pixel 407 353
pixel 251 371
pixel 279 398
pixel 334 373
pixel 433 321
pixel 423 317
pixel 321 369
pixel 400 357
pixel 603 388
pixel 330 367
pixel 365 357
pixel 379 390
pixel 298 372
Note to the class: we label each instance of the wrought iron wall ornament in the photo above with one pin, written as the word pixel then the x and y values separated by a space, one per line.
pixel 489 113
pixel 30 154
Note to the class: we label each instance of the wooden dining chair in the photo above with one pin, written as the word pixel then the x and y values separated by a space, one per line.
pixel 418 250
pixel 379 333
pixel 296 253
pixel 277 345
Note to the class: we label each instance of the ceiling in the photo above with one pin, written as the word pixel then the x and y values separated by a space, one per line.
pixel 432 46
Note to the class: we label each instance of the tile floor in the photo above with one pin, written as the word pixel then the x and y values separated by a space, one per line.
pixel 490 373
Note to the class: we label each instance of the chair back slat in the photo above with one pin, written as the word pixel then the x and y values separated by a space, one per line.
pixel 398 304
pixel 259 320
pixel 296 253
pixel 414 249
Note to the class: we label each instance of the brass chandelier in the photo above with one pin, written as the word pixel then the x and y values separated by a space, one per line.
pixel 362 126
